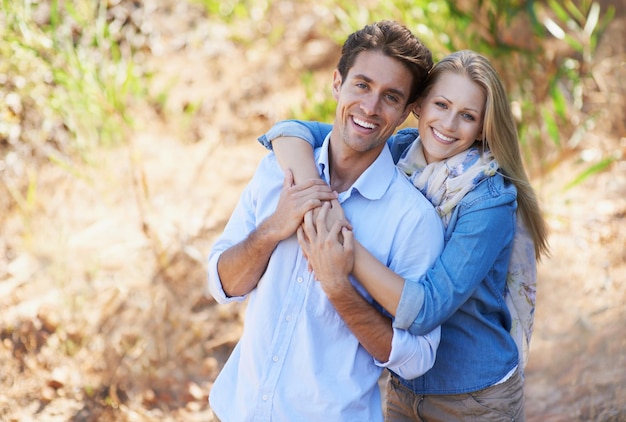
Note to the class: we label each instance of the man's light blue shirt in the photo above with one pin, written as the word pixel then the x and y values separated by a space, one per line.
pixel 296 359
pixel 464 292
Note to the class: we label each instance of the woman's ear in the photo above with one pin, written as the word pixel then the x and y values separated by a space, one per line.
pixel 479 136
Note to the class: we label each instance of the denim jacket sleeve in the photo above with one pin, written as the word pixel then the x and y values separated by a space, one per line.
pixel 312 132
pixel 400 142
pixel 473 263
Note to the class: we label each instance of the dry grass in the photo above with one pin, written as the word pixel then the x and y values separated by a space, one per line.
pixel 102 312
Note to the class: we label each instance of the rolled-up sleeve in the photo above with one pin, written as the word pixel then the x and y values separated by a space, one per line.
pixel 241 223
pixel 286 128
pixel 312 132
pixel 214 284
pixel 411 356
pixel 411 302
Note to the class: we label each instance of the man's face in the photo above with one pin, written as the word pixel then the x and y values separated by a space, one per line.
pixel 371 102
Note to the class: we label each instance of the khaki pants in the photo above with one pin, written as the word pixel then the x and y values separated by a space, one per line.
pixel 502 402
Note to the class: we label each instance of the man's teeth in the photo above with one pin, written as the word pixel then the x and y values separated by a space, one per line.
pixel 442 136
pixel 364 123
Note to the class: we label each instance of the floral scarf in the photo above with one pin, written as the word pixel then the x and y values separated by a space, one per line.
pixel 445 183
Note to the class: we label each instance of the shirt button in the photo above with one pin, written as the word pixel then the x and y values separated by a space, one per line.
pixel 300 279
pixel 288 317
pixel 264 397
pixel 275 358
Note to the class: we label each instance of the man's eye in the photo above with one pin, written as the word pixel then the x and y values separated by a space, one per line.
pixel 393 98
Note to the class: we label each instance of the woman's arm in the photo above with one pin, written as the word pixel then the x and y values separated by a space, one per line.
pixel 293 142
pixel 382 283
pixel 296 155
pixel 404 353
pixel 284 134
pixel 483 232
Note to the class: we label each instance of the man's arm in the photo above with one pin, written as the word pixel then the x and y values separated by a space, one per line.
pixel 240 267
pixel 373 329
pixel 332 259
pixel 332 262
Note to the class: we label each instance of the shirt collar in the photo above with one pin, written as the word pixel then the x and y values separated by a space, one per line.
pixel 373 182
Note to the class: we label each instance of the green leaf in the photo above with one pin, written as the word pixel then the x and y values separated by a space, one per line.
pixel 558 10
pixel 575 11
pixel 593 169
pixel 574 43
pixel 558 100
pixel 552 127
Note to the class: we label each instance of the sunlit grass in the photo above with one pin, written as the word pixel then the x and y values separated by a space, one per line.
pixel 68 79
pixel 79 81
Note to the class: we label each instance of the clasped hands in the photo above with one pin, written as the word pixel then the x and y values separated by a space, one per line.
pixel 311 209
pixel 327 242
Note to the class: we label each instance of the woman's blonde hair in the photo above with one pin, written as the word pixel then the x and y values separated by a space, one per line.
pixel 499 135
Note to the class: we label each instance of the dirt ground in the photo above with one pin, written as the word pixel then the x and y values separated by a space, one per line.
pixel 102 311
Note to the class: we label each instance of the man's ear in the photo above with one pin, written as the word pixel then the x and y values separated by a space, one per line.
pixel 407 110
pixel 417 107
pixel 336 84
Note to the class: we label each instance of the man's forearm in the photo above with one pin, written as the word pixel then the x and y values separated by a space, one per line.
pixel 241 267
pixel 373 330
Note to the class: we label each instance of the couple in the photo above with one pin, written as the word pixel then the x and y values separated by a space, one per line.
pixel 397 283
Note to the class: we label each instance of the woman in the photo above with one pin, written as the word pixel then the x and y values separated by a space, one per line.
pixel 466 160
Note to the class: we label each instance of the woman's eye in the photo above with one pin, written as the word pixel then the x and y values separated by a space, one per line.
pixel 440 104
pixel 469 117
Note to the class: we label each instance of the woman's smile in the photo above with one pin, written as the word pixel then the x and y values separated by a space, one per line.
pixel 442 137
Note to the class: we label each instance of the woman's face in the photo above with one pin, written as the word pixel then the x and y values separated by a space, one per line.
pixel 450 116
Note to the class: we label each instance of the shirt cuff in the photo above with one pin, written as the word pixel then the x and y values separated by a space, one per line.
pixel 214 284
pixel 411 356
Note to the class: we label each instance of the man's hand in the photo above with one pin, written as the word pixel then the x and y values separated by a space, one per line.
pixel 332 261
pixel 330 251
pixel 335 214
pixel 241 267
pixel 294 202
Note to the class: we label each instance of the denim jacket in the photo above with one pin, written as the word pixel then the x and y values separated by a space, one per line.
pixel 464 290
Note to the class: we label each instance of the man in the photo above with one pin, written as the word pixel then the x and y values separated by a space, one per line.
pixel 297 358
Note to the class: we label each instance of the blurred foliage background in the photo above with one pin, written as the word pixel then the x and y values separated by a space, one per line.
pixel 76 79
pixel 71 70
